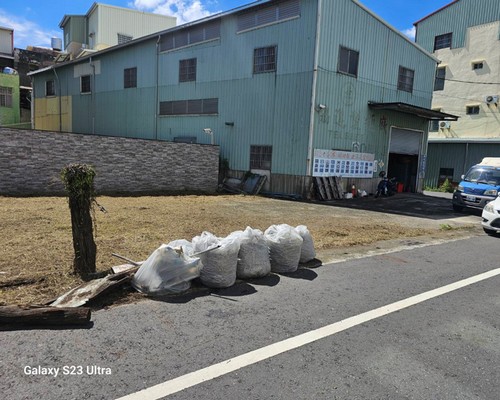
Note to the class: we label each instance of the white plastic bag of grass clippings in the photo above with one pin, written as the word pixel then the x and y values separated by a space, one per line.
pixel 165 271
pixel 219 264
pixel 285 245
pixel 253 257
pixel 307 252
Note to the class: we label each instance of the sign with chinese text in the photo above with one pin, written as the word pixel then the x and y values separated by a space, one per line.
pixel 346 164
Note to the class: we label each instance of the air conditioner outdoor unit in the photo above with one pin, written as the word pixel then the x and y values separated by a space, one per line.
pixel 444 125
pixel 491 99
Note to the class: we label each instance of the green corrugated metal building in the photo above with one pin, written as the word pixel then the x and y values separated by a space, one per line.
pixel 292 89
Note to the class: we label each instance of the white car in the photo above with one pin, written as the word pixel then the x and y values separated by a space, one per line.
pixel 491 217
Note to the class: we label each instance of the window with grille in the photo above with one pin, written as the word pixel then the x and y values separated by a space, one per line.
pixel 264 59
pixel 130 77
pixel 187 70
pixel 405 79
pixel 190 36
pixel 472 110
pixel 439 79
pixel 50 88
pixel 5 97
pixel 190 107
pixel 85 84
pixel 260 157
pixel 442 41
pixel 124 38
pixel 268 15
pixel 348 61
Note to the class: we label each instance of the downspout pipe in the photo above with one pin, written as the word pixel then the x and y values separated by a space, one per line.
pixel 92 89
pixel 313 93
pixel 157 94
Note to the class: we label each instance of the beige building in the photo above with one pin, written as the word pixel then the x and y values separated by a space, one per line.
pixel 471 86
pixel 465 37
pixel 105 26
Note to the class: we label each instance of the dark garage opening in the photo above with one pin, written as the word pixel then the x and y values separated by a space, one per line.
pixel 404 167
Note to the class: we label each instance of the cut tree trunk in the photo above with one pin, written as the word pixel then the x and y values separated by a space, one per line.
pixel 83 237
pixel 40 315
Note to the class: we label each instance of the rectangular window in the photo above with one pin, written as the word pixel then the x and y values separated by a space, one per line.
pixel 5 96
pixel 130 77
pixel 472 110
pixel 477 65
pixel 269 15
pixel 190 107
pixel 445 173
pixel 439 79
pixel 50 88
pixel 85 84
pixel 190 36
pixel 442 41
pixel 434 126
pixel 348 61
pixel 187 70
pixel 260 157
pixel 264 59
pixel 405 79
pixel 124 38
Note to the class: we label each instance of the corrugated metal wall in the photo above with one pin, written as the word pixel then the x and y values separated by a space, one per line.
pixel 456 19
pixel 113 20
pixel 266 109
pixel 6 41
pixel 347 118
pixel 459 156
pixel 260 109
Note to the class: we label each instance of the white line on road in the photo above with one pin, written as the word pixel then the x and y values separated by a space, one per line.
pixel 194 378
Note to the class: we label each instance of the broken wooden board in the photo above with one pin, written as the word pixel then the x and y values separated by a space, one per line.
pixel 41 315
pixel 122 268
pixel 87 291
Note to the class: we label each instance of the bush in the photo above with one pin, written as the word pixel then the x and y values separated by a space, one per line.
pixel 447 187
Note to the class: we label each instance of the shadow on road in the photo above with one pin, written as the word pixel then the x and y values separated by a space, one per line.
pixel 410 204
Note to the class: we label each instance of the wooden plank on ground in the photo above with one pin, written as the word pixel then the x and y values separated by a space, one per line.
pixel 40 315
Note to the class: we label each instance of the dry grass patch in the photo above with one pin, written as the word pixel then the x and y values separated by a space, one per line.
pixel 37 252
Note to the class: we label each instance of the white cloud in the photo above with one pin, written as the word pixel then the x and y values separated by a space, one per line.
pixel 410 32
pixel 26 32
pixel 184 10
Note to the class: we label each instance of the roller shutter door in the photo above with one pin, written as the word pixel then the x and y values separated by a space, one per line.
pixel 404 141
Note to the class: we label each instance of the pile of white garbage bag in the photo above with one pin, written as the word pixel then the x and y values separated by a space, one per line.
pixel 218 262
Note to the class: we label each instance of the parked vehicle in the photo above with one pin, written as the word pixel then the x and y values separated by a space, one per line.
pixel 480 185
pixel 386 187
pixel 491 217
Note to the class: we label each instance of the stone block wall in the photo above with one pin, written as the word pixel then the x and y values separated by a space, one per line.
pixel 31 161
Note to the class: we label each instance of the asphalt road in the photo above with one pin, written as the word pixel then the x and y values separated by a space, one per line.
pixel 447 347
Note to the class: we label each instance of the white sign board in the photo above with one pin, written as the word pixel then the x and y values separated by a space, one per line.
pixel 346 164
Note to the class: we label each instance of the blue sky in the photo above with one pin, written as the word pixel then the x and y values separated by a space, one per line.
pixel 35 22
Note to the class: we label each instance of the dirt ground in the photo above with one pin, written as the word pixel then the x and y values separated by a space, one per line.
pixel 36 250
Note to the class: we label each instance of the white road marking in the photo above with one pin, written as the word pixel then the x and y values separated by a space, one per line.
pixel 194 378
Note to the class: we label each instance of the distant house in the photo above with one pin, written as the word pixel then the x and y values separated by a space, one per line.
pixel 104 26
pixel 9 80
pixel 464 36
pixel 292 89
